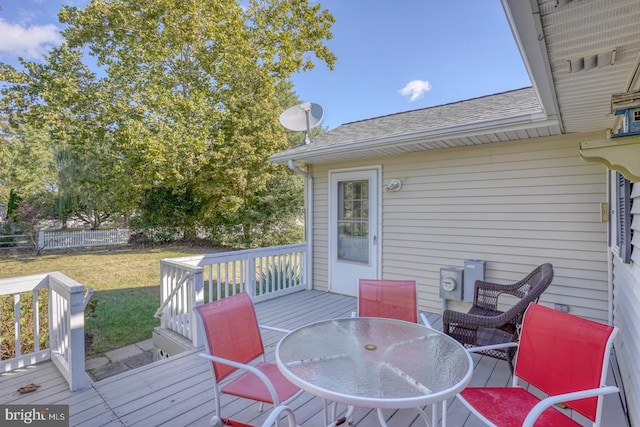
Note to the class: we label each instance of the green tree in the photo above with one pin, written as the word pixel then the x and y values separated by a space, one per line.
pixel 56 143
pixel 273 215
pixel 182 111
pixel 28 167
pixel 194 103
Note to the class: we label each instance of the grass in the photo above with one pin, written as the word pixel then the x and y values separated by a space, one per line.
pixel 126 285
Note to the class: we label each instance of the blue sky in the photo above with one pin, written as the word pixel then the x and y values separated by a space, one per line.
pixel 393 56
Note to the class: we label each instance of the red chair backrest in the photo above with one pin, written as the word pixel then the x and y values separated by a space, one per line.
pixel 393 299
pixel 231 331
pixel 561 353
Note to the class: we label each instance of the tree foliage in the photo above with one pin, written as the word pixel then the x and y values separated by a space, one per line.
pixel 180 114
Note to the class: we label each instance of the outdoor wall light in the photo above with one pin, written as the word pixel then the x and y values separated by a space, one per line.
pixel 394 185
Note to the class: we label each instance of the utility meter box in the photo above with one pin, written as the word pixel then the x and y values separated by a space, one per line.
pixel 451 284
pixel 473 270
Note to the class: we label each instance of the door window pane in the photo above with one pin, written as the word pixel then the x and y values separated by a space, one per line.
pixel 353 221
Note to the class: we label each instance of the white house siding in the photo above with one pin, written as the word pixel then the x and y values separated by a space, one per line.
pixel 320 279
pixel 514 205
pixel 626 315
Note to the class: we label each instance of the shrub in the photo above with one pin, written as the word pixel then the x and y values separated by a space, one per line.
pixel 27 318
pixel 285 270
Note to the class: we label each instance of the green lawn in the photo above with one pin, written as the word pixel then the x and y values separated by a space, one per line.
pixel 126 285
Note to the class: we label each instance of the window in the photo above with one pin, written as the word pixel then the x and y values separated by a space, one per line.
pixel 636 116
pixel 623 218
pixel 353 221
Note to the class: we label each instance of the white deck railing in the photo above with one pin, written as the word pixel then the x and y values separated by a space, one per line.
pixel 65 314
pixel 82 238
pixel 189 281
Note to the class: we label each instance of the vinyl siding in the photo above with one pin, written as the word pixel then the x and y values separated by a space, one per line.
pixel 320 229
pixel 514 205
pixel 626 314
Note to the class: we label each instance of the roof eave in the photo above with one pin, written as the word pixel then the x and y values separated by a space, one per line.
pixel 480 128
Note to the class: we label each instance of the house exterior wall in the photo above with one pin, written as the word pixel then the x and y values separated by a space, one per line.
pixel 626 314
pixel 514 205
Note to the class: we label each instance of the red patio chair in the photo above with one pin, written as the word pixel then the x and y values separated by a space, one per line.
pixel 234 345
pixel 563 356
pixel 270 421
pixel 393 299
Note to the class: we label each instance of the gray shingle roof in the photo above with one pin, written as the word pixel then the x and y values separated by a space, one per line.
pixel 483 115
pixel 463 112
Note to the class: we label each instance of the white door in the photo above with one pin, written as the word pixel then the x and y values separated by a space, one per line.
pixel 354 230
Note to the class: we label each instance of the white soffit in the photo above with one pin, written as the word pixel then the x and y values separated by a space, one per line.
pixel 584 29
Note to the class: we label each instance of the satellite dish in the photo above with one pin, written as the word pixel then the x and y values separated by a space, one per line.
pixel 302 118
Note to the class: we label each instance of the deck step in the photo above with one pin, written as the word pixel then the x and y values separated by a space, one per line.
pixel 167 343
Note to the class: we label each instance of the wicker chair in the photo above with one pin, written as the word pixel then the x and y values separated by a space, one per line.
pixel 485 325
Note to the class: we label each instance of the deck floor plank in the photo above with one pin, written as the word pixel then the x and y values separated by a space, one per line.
pixel 189 368
pixel 178 391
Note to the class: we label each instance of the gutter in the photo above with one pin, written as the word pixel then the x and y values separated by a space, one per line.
pixel 296 169
pixel 308 221
pixel 526 26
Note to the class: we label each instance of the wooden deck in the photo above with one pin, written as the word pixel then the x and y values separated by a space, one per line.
pixel 177 391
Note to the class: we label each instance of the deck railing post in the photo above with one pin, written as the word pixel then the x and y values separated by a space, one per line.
pixel 76 330
pixel 54 325
pixel 198 293
pixel 164 290
pixel 250 273
pixel 66 323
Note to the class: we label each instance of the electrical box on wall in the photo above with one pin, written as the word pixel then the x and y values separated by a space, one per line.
pixel 451 284
pixel 473 270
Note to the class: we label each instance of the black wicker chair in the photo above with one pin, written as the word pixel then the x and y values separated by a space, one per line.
pixel 484 324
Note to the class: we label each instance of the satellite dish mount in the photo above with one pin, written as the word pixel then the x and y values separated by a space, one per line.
pixel 302 118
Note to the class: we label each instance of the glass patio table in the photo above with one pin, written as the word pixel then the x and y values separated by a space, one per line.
pixel 375 363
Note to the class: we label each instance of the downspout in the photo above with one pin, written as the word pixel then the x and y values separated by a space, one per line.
pixel 308 221
pixel 609 253
pixel 610 284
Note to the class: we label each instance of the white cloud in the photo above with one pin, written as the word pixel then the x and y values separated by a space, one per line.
pixel 415 89
pixel 27 41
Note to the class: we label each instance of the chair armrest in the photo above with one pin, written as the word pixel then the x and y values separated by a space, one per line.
pixel 425 321
pixel 277 412
pixel 273 328
pixel 267 382
pixel 537 410
pixel 492 347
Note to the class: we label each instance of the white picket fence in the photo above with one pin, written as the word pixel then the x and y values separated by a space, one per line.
pixel 82 238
